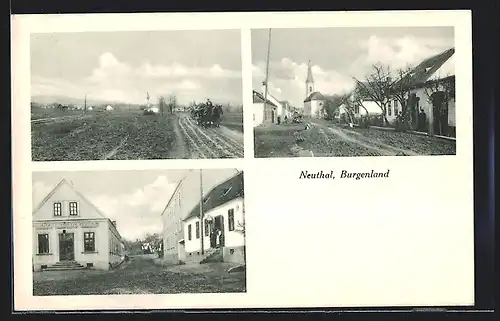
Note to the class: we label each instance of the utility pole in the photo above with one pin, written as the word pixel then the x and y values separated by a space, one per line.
pixel 85 105
pixel 267 69
pixel 201 212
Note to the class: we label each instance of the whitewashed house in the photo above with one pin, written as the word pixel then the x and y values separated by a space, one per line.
pixel 263 113
pixel 109 108
pixel 427 87
pixel 223 222
pixel 69 232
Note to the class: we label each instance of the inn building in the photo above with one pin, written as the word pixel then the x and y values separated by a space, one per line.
pixel 70 232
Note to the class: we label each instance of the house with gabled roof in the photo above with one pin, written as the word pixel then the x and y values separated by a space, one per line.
pixel 223 223
pixel 429 93
pixel 70 232
pixel 264 110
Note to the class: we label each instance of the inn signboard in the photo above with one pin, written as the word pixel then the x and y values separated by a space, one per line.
pixel 65 225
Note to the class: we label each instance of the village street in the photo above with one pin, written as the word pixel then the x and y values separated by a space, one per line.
pixel 142 274
pixel 326 139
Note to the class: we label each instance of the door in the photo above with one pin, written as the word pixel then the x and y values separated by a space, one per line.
pixel 66 247
pixel 181 251
pixel 440 113
pixel 219 227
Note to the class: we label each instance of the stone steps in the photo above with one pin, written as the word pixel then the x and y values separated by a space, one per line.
pixel 62 266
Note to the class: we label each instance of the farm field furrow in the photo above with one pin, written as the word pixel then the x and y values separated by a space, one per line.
pixel 126 136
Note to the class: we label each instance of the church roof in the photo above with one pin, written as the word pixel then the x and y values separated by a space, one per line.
pixel 309 73
pixel 315 96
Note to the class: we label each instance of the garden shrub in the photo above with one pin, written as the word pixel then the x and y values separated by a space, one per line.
pixel 402 122
pixel 364 122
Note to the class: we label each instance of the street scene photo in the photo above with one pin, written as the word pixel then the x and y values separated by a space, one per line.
pixel 341 92
pixel 138 232
pixel 136 95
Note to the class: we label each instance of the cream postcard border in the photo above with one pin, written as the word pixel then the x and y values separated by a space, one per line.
pixel 23 26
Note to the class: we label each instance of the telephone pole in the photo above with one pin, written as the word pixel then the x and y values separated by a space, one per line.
pixel 201 213
pixel 267 69
pixel 85 105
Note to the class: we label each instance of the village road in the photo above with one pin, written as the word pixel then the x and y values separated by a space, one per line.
pixel 141 275
pixel 356 138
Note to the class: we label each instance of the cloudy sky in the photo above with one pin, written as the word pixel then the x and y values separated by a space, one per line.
pixel 339 54
pixel 135 198
pixel 123 66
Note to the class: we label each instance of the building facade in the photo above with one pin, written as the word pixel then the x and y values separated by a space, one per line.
pixel 69 228
pixel 223 222
pixel 263 113
pixel 185 196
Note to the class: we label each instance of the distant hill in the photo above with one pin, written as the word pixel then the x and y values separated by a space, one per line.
pixel 65 100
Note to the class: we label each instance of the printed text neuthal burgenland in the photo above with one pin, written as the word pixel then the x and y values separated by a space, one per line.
pixel 344 174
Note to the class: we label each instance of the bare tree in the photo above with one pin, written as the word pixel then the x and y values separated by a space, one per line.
pixel 161 104
pixel 400 91
pixel 172 102
pixel 376 87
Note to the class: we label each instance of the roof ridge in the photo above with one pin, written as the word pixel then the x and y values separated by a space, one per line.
pixel 61 182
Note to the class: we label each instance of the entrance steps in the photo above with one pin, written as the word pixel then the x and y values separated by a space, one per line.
pixel 65 265
pixel 210 255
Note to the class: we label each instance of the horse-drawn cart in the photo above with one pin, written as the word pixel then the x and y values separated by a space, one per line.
pixel 207 115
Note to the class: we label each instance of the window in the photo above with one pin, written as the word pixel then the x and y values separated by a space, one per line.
pixel 230 219
pixel 226 191
pixel 206 228
pixel 197 230
pixel 57 209
pixel 43 243
pixel 356 109
pixel 389 110
pixel 73 208
pixel 89 242
pixel 189 232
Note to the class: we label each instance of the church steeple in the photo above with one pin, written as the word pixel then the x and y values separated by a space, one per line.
pixel 309 80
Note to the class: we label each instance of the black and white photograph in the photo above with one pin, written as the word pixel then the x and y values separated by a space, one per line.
pixel 353 91
pixel 138 232
pixel 136 95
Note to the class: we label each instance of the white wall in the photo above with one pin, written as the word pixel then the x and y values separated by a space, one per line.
pixel 194 244
pixel 99 258
pixel 258 114
pixel 271 98
pixel 232 238
pixel 451 113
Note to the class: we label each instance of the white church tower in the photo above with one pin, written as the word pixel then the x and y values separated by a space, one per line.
pixel 309 81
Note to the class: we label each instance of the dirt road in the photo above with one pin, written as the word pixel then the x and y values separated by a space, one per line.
pixel 141 275
pixel 325 139
pixel 197 142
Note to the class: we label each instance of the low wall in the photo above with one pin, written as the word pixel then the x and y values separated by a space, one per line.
pixel 233 254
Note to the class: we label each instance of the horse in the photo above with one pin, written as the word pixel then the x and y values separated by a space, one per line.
pixel 216 115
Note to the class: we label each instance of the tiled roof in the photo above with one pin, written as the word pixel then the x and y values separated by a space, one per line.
pixel 220 194
pixel 259 98
pixel 422 72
